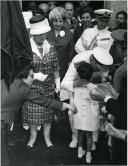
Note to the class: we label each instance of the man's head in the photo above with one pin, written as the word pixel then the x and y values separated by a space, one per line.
pixel 84 3
pixel 69 7
pixel 100 59
pixel 102 18
pixel 27 74
pixel 44 9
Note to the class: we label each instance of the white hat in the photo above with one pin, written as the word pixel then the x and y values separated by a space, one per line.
pixel 102 56
pixel 40 26
pixel 103 13
pixel 27 16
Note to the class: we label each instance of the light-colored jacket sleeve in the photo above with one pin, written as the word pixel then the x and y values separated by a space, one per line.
pixel 85 41
pixel 70 76
pixel 79 47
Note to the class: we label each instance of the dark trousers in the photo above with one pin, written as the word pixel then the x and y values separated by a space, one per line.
pixel 4 155
pixel 119 152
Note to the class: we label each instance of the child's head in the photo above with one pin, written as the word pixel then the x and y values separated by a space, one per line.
pixel 84 70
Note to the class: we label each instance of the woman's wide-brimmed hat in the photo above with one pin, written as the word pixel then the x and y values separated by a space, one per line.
pixel 39 25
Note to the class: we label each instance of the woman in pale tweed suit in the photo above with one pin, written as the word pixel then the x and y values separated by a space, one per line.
pixel 45 61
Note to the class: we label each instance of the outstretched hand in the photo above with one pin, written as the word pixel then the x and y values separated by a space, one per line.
pixel 98 94
pixel 112 131
pixel 69 107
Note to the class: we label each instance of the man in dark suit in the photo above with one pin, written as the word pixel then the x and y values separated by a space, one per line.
pixel 119 109
pixel 20 91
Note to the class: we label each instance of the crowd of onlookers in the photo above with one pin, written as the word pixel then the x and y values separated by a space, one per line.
pixel 81 59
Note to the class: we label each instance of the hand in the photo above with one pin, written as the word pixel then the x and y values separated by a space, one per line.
pixel 93 43
pixel 98 94
pixel 112 131
pixel 69 107
pixel 40 76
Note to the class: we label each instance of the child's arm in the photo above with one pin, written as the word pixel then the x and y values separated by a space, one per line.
pixel 71 96
pixel 80 83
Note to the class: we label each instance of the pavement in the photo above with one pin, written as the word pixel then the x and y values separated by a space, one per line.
pixel 61 155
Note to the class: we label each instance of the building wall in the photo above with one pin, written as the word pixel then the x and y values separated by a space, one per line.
pixel 115 6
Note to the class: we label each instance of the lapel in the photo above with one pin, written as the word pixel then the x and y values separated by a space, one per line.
pixel 46 47
pixel 34 47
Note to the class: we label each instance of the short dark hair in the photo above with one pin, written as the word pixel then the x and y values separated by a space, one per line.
pixel 84 70
pixel 122 12
pixel 87 10
pixel 25 72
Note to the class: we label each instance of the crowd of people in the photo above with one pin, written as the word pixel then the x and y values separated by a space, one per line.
pixel 81 59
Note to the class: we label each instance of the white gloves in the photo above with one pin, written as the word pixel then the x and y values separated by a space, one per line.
pixel 40 76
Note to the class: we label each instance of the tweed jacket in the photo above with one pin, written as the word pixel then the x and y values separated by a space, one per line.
pixel 19 93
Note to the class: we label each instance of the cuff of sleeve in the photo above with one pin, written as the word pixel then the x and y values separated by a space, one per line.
pixel 107 98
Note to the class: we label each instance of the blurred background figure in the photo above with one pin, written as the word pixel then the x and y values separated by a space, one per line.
pixel 32 6
pixel 82 5
pixel 117 49
pixel 86 17
pixel 44 9
pixel 52 5
pixel 121 20
pixel 70 22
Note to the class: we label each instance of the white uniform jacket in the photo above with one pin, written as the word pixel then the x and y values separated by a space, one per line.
pixel 100 38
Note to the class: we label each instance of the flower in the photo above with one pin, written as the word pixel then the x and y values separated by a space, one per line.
pixel 62 33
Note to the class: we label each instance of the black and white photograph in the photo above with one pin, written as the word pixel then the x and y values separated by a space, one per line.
pixel 63 82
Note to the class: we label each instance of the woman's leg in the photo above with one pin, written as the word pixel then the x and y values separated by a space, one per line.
pixel 88 146
pixel 33 135
pixel 81 152
pixel 47 129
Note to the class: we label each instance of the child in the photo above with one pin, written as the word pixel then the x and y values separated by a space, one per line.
pixel 87 117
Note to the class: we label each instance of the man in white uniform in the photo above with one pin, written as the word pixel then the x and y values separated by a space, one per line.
pixel 99 35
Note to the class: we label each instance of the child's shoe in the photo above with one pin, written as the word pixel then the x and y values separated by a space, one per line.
pixel 93 146
pixel 73 143
pixel 88 157
pixel 81 152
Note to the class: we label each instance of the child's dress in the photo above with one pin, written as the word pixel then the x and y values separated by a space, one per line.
pixel 87 117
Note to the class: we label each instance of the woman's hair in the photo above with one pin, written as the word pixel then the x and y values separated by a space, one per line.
pixel 57 12
pixel 25 72
pixel 84 70
pixel 87 10
pixel 122 12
